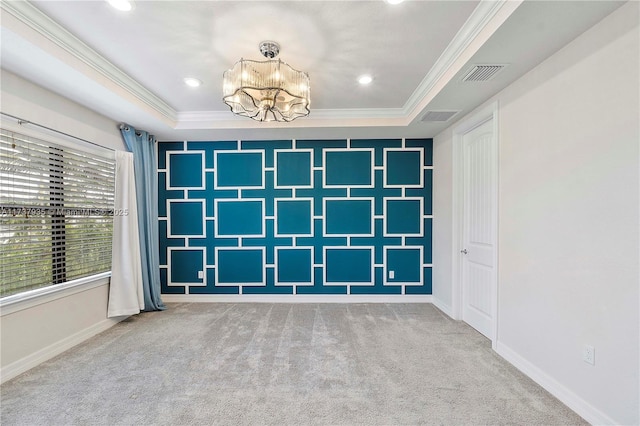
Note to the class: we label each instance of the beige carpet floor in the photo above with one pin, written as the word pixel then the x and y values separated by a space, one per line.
pixel 282 364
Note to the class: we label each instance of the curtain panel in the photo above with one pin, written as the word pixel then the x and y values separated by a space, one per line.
pixel 126 294
pixel 142 145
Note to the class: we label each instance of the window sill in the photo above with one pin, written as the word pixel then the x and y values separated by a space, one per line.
pixel 29 299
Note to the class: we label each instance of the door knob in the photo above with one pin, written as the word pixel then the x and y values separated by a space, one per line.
pixel 464 251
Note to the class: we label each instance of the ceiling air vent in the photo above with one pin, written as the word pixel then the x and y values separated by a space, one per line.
pixel 483 72
pixel 438 116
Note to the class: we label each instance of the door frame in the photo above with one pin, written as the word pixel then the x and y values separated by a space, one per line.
pixel 486 113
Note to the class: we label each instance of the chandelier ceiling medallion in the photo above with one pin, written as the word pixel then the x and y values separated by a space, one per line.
pixel 266 91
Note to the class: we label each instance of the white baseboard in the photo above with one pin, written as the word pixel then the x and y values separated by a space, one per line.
pixel 298 298
pixel 443 307
pixel 20 366
pixel 566 396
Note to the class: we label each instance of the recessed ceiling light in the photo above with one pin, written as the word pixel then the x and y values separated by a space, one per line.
pixel 192 82
pixel 123 5
pixel 394 1
pixel 365 79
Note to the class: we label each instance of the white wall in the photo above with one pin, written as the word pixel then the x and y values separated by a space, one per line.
pixel 442 221
pixel 38 329
pixel 569 196
pixel 26 100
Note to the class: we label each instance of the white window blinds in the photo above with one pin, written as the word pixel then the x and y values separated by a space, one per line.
pixel 56 213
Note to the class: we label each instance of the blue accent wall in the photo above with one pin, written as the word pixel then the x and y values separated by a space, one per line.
pixel 296 217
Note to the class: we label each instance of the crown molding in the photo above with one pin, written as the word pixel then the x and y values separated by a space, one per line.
pixel 373 117
pixel 341 117
pixel 447 65
pixel 358 113
pixel 479 19
pixel 33 18
pixel 485 19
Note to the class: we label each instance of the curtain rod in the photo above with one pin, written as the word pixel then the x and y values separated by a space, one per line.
pixel 22 121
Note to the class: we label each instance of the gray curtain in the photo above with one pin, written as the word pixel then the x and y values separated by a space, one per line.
pixel 142 145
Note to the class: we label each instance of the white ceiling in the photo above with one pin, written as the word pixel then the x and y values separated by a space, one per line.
pixel 129 66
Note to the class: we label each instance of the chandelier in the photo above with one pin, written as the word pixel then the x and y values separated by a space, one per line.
pixel 266 91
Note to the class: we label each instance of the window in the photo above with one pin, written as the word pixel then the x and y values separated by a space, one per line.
pixel 56 213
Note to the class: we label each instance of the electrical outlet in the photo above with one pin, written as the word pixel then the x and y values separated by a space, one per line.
pixel 200 274
pixel 589 354
pixel 392 274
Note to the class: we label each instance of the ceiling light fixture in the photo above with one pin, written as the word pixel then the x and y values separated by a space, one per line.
pixel 123 5
pixel 192 82
pixel 266 91
pixel 394 1
pixel 365 79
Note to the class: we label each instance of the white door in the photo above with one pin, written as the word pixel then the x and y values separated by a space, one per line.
pixel 478 228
